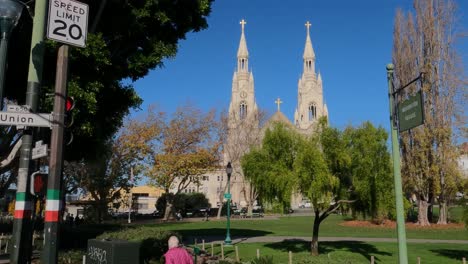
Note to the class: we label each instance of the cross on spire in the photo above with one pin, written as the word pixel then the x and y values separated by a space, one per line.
pixel 278 102
pixel 308 24
pixel 242 22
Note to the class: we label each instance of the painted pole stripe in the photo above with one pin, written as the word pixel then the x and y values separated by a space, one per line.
pixel 22 205
pixel 20 196
pixel 53 194
pixel 20 214
pixel 52 205
pixel 52 216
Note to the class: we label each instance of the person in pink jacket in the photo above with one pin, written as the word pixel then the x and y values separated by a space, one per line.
pixel 176 254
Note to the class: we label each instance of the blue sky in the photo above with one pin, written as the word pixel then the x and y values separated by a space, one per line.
pixel 352 42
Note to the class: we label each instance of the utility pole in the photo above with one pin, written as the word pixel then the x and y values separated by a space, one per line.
pixel 130 198
pixel 402 250
pixel 22 228
pixel 52 213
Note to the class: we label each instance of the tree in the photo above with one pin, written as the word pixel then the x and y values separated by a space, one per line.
pixel 238 138
pixel 426 43
pixel 105 179
pixel 322 167
pixel 187 147
pixel 270 167
pixel 118 52
pixel 287 162
pixel 370 170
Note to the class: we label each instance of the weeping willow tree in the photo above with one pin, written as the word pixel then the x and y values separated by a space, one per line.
pixel 424 41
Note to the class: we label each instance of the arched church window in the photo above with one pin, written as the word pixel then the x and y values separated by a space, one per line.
pixel 312 112
pixel 242 64
pixel 243 110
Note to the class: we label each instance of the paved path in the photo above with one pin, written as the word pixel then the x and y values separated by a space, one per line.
pixel 273 239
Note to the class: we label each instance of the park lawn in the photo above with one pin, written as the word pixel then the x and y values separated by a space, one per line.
pixel 302 226
pixel 348 252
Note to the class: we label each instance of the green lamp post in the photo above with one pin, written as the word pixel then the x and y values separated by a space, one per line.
pixel 228 240
pixel 10 12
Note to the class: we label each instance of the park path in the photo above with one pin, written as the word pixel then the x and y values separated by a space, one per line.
pixel 274 239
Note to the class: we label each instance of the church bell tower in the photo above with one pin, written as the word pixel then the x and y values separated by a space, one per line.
pixel 310 103
pixel 243 106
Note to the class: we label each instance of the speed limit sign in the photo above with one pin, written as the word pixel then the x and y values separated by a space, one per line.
pixel 68 22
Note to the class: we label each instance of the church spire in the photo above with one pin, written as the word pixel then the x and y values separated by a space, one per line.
pixel 242 52
pixel 308 50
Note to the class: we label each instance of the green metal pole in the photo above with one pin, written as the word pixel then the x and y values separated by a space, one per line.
pixel 402 250
pixel 228 240
pixel 3 56
pixel 6 26
pixel 22 227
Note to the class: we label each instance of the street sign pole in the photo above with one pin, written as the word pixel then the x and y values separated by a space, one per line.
pixel 22 226
pixel 402 250
pixel 52 213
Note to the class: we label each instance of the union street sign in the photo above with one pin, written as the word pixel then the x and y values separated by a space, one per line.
pixel 25 119
pixel 411 112
pixel 227 196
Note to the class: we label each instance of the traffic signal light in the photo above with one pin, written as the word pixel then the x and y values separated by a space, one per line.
pixel 38 183
pixel 69 106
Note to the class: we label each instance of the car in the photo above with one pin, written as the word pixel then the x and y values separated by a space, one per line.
pixel 305 204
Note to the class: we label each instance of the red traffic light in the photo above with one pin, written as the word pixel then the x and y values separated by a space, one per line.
pixel 39 184
pixel 69 103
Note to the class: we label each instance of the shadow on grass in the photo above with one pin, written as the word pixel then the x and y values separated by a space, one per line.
pixel 457 254
pixel 214 234
pixel 298 245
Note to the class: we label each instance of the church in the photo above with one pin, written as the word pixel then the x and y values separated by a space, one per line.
pixel 245 126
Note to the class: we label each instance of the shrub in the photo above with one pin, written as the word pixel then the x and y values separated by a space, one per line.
pixel 153 241
pixel 183 202
pixel 263 260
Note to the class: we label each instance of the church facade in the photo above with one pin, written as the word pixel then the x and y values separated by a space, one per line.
pixel 243 123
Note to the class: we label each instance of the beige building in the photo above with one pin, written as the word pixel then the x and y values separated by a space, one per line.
pixel 144 200
pixel 244 123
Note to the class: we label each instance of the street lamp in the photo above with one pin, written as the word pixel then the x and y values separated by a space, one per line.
pixel 10 12
pixel 228 240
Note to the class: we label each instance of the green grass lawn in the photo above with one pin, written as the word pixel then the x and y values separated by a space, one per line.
pixel 302 226
pixel 345 252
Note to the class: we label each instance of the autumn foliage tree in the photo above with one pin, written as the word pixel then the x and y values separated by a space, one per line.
pixel 186 147
pixel 424 41
pixel 104 180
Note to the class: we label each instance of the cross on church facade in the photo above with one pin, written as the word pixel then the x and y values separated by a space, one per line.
pixel 242 22
pixel 278 102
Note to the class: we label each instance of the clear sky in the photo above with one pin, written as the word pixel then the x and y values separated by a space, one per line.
pixel 352 41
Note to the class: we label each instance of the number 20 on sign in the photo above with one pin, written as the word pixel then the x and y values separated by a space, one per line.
pixel 68 22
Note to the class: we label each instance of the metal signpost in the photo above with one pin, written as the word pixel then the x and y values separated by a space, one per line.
pixel 67 23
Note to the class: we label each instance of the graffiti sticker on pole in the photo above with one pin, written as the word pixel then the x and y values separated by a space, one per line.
pixel 68 22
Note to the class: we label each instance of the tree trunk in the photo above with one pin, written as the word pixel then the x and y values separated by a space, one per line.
pixel 422 212
pixel 442 212
pixel 250 209
pixel 430 208
pixel 220 208
pixel 169 208
pixel 314 250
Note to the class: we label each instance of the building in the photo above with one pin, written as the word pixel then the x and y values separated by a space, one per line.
pixel 144 200
pixel 244 123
